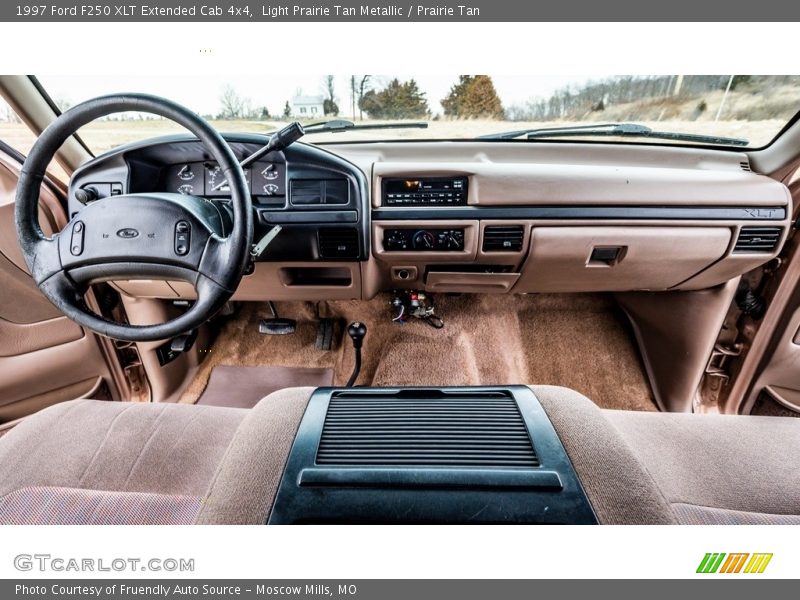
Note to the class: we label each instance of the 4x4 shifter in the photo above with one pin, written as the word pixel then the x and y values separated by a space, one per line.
pixel 357 332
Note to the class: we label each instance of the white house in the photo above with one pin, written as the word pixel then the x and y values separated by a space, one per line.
pixel 307 107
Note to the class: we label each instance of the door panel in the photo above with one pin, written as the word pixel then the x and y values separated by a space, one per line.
pixel 771 367
pixel 779 373
pixel 44 357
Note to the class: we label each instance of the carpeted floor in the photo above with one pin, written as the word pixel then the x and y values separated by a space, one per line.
pixel 579 341
pixel 765 406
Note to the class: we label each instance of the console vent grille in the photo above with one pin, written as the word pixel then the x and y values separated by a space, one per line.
pixel 339 242
pixel 426 429
pixel 503 238
pixel 758 239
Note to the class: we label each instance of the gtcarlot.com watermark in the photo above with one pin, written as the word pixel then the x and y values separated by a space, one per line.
pixel 46 563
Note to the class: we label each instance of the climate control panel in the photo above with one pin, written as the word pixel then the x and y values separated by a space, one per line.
pixel 423 240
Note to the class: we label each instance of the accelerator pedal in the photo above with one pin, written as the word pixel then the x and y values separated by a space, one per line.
pixel 325 334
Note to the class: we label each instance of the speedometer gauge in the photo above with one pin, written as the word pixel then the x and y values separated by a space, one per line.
pixel 215 181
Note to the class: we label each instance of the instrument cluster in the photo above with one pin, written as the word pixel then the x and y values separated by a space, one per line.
pixel 206 178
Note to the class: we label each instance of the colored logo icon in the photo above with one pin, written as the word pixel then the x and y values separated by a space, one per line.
pixel 742 562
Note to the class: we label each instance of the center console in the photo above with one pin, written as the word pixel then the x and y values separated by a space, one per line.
pixel 428 455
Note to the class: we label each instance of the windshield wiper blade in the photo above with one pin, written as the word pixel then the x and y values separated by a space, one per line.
pixel 340 125
pixel 615 130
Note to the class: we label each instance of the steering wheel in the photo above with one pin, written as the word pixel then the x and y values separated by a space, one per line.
pixel 135 236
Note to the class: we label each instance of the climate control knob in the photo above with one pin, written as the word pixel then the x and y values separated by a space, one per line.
pixel 423 240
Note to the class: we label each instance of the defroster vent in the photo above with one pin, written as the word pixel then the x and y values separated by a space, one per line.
pixel 426 428
pixel 503 238
pixel 758 239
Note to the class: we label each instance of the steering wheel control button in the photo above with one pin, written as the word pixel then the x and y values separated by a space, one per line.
pixel 76 243
pixel 183 237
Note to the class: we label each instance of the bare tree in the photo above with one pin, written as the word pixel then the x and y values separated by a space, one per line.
pixel 329 105
pixel 234 106
pixel 359 86
pixel 363 88
pixel 353 89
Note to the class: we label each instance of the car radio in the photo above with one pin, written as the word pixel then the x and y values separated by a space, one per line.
pixel 425 191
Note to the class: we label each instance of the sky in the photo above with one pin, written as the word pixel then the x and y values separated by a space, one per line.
pixel 202 93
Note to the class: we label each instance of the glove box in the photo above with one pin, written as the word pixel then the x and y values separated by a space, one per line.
pixel 605 259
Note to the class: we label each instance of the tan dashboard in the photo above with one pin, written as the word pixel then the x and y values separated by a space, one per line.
pixel 578 218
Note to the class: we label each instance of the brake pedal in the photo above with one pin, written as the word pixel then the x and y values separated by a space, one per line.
pixel 276 325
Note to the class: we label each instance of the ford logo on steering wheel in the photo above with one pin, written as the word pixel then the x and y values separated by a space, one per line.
pixel 128 233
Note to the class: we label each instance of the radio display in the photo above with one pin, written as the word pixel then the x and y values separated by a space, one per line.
pixel 419 191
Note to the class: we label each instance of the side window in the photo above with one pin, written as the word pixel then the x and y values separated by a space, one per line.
pixel 13 131
pixel 16 134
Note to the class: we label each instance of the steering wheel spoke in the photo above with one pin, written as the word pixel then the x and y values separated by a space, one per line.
pixel 46 259
pixel 137 236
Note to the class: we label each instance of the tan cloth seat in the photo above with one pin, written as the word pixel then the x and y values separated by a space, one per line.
pixel 109 462
pixel 642 467
pixel 719 469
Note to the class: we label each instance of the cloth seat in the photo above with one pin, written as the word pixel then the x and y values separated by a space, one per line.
pixel 95 462
pixel 719 469
pixel 99 462
pixel 658 468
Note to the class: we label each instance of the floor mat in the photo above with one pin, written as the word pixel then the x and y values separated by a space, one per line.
pixel 243 387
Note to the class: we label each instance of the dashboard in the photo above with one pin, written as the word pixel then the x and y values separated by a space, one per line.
pixel 485 217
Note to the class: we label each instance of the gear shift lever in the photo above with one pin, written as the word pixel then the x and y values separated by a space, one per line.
pixel 357 332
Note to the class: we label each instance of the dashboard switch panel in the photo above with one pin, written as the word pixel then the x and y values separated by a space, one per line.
pixel 424 240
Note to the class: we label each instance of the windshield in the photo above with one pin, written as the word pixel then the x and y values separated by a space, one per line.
pixel 712 109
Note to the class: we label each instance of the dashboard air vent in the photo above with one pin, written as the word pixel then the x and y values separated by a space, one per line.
pixel 758 239
pixel 339 242
pixel 745 165
pixel 426 429
pixel 503 238
pixel 315 192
